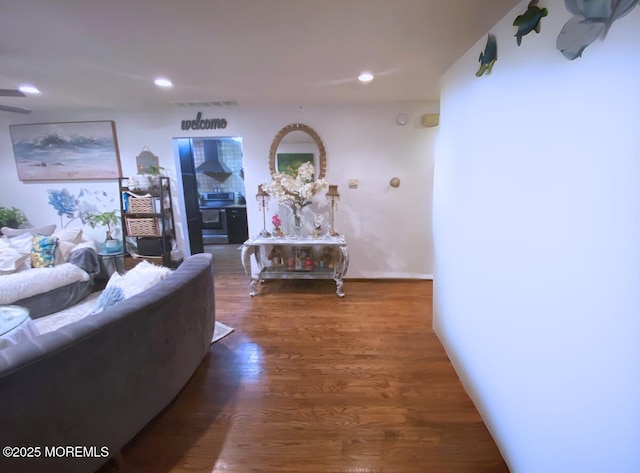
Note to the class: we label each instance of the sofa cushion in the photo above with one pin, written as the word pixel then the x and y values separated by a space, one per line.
pixel 68 239
pixel 21 243
pixel 72 235
pixel 43 253
pixel 13 232
pixel 21 239
pixel 10 258
pixel 63 251
pixel 119 287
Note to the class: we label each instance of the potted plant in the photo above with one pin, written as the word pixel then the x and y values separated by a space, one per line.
pixel 105 219
pixel 11 217
pixel 154 176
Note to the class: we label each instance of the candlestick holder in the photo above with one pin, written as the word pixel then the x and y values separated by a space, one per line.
pixel 263 204
pixel 333 194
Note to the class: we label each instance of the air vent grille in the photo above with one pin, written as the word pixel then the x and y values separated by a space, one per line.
pixel 211 103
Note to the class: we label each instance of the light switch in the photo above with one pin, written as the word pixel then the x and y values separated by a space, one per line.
pixel 353 183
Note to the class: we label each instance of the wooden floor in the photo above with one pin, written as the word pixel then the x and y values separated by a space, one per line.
pixel 312 383
pixel 226 259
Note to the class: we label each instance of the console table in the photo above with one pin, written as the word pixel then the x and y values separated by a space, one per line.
pixel 296 258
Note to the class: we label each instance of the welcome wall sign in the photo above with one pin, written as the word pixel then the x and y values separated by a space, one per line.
pixel 206 124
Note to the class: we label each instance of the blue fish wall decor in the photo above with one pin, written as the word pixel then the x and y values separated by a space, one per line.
pixel 489 57
pixel 530 20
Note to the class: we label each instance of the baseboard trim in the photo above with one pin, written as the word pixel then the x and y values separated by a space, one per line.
pixel 390 279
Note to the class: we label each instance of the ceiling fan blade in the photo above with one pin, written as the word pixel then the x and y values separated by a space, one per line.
pixel 7 108
pixel 11 93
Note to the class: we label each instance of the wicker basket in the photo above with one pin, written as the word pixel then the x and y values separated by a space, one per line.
pixel 141 205
pixel 132 261
pixel 142 227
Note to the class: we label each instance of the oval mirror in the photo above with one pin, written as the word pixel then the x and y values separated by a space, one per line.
pixel 294 145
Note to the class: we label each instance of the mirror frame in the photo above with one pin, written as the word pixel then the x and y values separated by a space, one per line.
pixel 322 156
pixel 146 160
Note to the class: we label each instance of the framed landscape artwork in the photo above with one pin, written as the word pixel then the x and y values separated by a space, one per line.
pixel 66 151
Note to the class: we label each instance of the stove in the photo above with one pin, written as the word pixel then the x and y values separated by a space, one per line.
pixel 213 215
pixel 216 200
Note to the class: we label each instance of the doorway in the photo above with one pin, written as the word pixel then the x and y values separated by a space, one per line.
pixel 211 171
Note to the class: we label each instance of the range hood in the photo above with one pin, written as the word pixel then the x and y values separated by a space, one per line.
pixel 212 163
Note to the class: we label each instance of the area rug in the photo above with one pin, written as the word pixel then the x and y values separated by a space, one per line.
pixel 52 322
pixel 221 330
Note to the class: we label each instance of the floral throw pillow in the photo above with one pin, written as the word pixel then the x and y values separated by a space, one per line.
pixel 43 253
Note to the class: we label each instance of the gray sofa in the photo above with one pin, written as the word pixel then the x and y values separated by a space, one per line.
pixel 97 382
pixel 65 296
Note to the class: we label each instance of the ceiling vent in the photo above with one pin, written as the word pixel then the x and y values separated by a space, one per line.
pixel 212 103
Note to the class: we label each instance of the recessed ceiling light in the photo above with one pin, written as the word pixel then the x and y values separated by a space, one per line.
pixel 162 82
pixel 29 89
pixel 365 77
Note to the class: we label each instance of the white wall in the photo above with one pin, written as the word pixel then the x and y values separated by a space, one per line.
pixel 536 228
pixel 389 230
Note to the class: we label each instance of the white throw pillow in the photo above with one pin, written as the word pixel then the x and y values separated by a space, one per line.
pixel 20 246
pixel 141 277
pixel 11 260
pixel 22 243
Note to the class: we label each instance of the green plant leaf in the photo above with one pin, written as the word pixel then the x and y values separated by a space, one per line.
pixel 11 216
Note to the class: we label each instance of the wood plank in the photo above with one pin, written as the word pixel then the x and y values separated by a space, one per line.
pixel 311 383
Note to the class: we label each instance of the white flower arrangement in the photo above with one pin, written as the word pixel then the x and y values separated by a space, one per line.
pixel 297 191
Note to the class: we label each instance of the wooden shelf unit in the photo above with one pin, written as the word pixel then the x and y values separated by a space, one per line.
pixel 147 221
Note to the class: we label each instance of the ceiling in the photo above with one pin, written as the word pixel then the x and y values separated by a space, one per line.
pixel 104 54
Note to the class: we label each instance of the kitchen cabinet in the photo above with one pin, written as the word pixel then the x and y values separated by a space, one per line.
pixel 237 227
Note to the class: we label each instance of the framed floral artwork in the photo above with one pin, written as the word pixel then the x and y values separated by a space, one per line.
pixel 66 151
